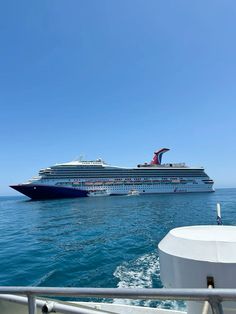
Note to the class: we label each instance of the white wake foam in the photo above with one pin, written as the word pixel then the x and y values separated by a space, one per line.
pixel 138 273
pixel 141 273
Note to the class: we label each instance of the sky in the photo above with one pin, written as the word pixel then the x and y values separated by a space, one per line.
pixel 117 80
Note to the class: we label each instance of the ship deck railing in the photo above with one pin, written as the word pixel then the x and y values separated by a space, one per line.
pixel 27 296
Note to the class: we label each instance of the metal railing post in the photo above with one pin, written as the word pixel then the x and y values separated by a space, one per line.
pixel 205 308
pixel 216 307
pixel 31 304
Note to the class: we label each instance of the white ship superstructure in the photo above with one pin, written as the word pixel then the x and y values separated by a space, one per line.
pixel 79 178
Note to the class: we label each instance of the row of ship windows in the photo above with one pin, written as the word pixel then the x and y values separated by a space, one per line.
pixel 129 172
pixel 55 176
pixel 124 169
pixel 119 182
pixel 127 185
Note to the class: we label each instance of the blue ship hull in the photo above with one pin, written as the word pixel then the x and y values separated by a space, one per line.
pixel 44 192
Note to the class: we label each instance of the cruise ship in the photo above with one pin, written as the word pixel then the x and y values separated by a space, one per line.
pixel 93 178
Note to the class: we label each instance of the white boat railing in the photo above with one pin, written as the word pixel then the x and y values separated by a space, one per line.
pixel 215 297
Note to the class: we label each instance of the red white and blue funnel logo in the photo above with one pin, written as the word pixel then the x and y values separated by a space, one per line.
pixel 158 156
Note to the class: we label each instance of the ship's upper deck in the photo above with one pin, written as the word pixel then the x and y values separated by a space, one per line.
pixel 169 165
pixel 97 162
pixel 100 169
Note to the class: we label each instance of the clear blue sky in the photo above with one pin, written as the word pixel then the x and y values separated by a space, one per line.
pixel 118 80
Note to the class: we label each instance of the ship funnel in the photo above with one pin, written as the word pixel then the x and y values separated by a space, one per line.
pixel 158 156
pixel 189 256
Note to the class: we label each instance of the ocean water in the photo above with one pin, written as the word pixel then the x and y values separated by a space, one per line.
pixel 97 242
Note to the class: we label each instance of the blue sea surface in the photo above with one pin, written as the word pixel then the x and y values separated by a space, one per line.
pixel 97 241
